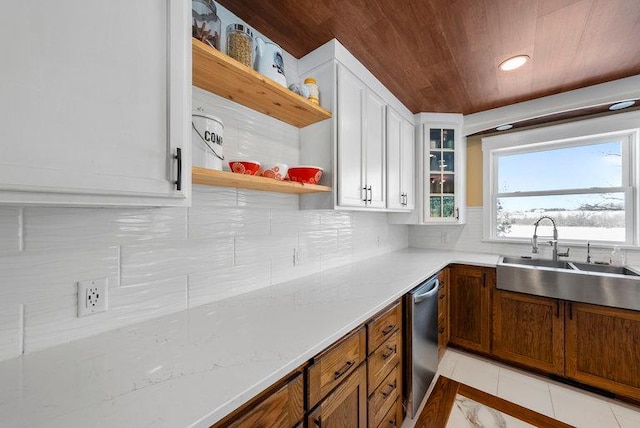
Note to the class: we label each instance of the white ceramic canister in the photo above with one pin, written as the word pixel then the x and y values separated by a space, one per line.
pixel 206 137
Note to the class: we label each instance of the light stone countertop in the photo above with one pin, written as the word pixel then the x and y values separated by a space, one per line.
pixel 194 367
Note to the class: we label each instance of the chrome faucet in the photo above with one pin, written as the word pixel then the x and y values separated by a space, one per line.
pixel 553 242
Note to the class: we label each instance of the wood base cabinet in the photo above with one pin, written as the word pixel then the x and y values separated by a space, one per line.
pixel 346 406
pixel 279 406
pixel 603 348
pixel 443 312
pixel 529 330
pixel 470 307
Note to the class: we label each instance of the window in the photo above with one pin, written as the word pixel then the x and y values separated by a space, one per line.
pixel 585 180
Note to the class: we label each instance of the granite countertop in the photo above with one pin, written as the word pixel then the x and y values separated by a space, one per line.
pixel 194 367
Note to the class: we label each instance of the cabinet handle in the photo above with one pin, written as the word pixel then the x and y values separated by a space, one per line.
pixel 370 194
pixel 337 375
pixel 442 296
pixel 390 351
pixel 388 329
pixel 457 213
pixel 392 386
pixel 557 309
pixel 392 422
pixel 178 158
pixel 365 194
pixel 318 421
pixel 441 330
pixel 484 279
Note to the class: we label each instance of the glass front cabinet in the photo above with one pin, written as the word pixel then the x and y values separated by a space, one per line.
pixel 441 166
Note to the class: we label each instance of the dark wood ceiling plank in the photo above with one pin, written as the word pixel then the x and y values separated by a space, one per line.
pixel 442 55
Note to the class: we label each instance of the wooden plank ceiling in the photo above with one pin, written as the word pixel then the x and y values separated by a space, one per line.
pixel 442 55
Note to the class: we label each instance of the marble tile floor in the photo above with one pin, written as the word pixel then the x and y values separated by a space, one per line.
pixel 571 405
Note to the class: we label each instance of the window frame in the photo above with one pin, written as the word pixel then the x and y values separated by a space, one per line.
pixel 622 126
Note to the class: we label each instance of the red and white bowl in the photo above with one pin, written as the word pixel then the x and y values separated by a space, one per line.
pixel 276 171
pixel 245 167
pixel 305 174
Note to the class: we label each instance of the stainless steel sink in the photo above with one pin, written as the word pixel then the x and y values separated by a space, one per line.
pixel 617 270
pixel 536 262
pixel 574 281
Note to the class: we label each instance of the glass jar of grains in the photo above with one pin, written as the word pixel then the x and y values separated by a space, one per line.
pixel 240 43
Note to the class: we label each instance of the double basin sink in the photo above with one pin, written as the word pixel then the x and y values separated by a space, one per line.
pixel 614 286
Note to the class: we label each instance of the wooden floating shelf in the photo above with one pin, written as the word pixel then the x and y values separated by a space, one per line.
pixel 222 75
pixel 213 177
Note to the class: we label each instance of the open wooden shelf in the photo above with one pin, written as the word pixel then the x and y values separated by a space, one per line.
pixel 220 74
pixel 213 177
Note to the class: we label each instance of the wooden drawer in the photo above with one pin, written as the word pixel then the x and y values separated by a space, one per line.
pixel 381 327
pixel 384 397
pixel 393 418
pixel 384 359
pixel 334 365
pixel 282 408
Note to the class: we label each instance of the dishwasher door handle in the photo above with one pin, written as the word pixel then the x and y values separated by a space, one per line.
pixel 417 298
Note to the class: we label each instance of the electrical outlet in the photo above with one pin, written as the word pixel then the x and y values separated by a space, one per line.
pixel 377 240
pixel 92 296
pixel 444 237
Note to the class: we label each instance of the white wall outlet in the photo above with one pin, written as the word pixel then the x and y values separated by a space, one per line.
pixel 444 237
pixel 92 296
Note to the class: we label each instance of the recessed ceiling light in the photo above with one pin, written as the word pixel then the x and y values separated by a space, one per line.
pixel 513 62
pixel 504 127
pixel 621 105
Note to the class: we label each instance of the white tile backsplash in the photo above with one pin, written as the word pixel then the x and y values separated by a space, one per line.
pixel 162 260
pixel 9 230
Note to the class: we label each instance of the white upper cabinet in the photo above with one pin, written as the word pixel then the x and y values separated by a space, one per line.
pixel 375 151
pixel 95 102
pixel 361 144
pixel 400 162
pixel 352 145
pixel 351 134
pixel 441 179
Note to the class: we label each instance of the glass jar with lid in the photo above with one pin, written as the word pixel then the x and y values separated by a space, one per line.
pixel 240 43
pixel 206 25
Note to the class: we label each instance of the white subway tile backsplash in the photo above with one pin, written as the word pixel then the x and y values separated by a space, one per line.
pixel 70 228
pixel 220 283
pixel 10 330
pixel 9 230
pixel 205 223
pixel 213 197
pixel 155 261
pixel 250 249
pixel 267 200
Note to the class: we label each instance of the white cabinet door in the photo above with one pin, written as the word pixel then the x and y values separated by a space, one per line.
pixel 400 162
pixel 374 151
pixel 407 164
pixel 394 160
pixel 95 101
pixel 350 117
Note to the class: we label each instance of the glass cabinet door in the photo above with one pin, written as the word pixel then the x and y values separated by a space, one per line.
pixel 440 149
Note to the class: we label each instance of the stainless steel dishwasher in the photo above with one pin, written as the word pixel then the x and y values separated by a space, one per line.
pixel 421 341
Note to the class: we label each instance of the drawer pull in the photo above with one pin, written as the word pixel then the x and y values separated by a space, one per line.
pixel 392 386
pixel 388 329
pixel 442 296
pixel 390 351
pixel 342 371
pixel 318 421
pixel 441 330
pixel 392 422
